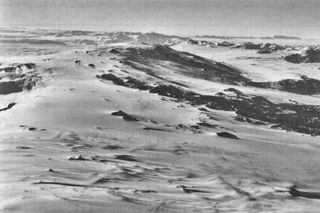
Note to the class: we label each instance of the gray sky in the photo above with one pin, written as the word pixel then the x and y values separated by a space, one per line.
pixel 181 17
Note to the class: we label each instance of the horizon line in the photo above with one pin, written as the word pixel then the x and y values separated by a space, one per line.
pixel 152 31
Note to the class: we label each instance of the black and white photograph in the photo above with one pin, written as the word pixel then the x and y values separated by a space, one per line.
pixel 159 106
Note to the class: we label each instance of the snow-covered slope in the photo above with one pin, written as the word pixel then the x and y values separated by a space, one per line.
pixel 128 126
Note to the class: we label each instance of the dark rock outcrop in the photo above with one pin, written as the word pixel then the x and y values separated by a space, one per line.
pixel 186 63
pixel 303 118
pixel 128 81
pixel 114 51
pixel 293 191
pixel 170 91
pixel 28 65
pixel 126 158
pixel 80 158
pixel 111 77
pixel 8 107
pixel 119 113
pixel 92 66
pixel 133 83
pixel 311 55
pixel 18 80
pixel 27 83
pixel 270 48
pixel 11 87
pixel 225 44
pixel 305 86
pixel 227 135
pixel 295 58
pixel 262 48
pixel 205 124
pixel 248 120
pixel 124 115
pixel 290 117
pixel 250 46
pixel 191 189
pixel 191 41
pixel 17 67
pixel 264 51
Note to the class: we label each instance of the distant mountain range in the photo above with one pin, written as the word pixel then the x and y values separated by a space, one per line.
pixel 60 37
pixel 250 37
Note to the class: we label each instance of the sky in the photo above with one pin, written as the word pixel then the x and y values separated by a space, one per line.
pixel 179 17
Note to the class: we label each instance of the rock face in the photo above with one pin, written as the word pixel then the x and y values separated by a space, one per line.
pixel 311 55
pixel 20 77
pixel 11 87
pixel 186 63
pixel 305 86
